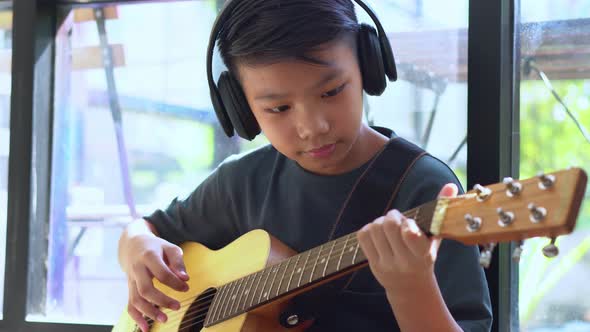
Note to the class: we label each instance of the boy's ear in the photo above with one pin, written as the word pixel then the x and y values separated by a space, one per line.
pixel 371 60
pixel 236 106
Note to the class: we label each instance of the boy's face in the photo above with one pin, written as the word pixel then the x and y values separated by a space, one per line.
pixel 312 113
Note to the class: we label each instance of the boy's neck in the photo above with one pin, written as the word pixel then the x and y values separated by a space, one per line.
pixel 370 142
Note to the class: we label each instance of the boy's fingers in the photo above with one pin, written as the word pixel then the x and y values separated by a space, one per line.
pixel 150 311
pixel 449 190
pixel 435 244
pixel 366 244
pixel 146 290
pixel 137 317
pixel 139 302
pixel 415 241
pixel 159 270
pixel 174 256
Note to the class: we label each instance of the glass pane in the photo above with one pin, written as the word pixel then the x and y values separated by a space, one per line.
pixel 5 88
pixel 555 117
pixel 428 103
pixel 101 164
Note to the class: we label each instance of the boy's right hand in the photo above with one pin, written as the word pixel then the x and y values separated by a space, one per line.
pixel 148 257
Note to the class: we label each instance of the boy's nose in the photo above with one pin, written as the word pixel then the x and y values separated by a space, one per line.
pixel 310 124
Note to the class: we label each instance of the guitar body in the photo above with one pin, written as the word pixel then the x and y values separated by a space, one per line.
pixel 213 268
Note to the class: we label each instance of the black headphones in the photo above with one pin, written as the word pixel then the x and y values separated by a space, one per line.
pixel 230 104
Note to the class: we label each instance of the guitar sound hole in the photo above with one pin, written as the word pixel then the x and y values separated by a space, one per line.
pixel 194 318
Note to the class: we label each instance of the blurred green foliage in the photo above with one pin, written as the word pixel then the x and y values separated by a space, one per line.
pixel 550 140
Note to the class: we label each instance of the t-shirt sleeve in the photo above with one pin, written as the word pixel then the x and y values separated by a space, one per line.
pixel 460 277
pixel 204 216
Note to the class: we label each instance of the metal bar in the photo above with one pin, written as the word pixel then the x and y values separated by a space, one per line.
pixel 103 2
pixel 42 159
pixel 493 129
pixel 57 327
pixel 19 163
pixel 61 151
pixel 115 111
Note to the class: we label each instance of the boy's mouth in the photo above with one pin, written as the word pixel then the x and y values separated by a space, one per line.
pixel 323 151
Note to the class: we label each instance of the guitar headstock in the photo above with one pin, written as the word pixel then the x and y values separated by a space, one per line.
pixel 546 205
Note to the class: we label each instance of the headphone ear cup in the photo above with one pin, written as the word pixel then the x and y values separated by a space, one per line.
pixel 221 114
pixel 371 60
pixel 237 107
pixel 388 59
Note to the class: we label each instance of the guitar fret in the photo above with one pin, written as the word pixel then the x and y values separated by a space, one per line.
pixel 286 263
pixel 228 298
pixel 303 268
pixel 247 288
pixel 329 256
pixel 237 296
pixel 222 299
pixel 342 253
pixel 275 271
pixel 256 288
pixel 316 262
pixel 219 308
pixel 293 272
pixel 355 253
pixel 264 293
pixel 212 307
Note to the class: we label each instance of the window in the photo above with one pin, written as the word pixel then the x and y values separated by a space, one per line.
pixel 555 38
pixel 428 103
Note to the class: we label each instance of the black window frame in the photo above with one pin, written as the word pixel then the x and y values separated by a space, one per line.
pixel 493 140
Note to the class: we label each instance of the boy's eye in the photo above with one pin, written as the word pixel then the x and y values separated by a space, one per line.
pixel 334 92
pixel 278 109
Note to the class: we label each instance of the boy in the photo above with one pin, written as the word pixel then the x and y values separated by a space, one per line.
pixel 299 66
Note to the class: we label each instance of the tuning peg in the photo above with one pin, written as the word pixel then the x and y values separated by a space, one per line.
pixel 551 249
pixel 538 213
pixel 517 251
pixel 483 193
pixel 546 181
pixel 512 187
pixel 506 217
pixel 485 256
pixel 473 223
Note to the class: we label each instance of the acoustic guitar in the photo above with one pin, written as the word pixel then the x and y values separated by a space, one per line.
pixel 246 285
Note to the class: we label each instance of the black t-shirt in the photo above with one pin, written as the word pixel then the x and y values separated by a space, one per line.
pixel 264 189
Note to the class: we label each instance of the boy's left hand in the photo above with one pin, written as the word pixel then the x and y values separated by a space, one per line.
pixel 399 253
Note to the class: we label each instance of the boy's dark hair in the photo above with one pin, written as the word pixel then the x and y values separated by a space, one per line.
pixel 267 31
